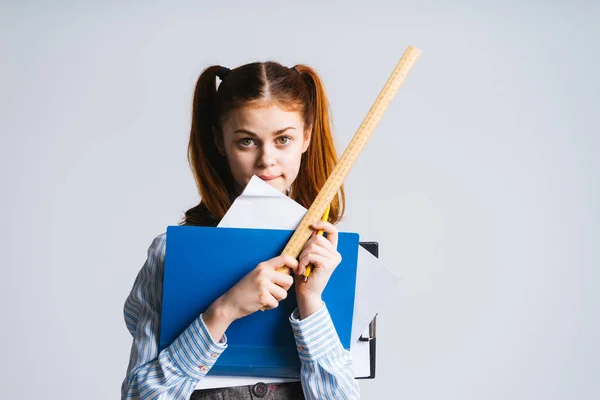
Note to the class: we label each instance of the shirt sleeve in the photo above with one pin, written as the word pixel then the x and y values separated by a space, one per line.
pixel 326 367
pixel 174 372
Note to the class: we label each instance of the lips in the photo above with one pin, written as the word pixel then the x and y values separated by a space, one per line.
pixel 268 177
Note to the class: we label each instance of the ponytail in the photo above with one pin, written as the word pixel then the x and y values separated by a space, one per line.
pixel 210 169
pixel 320 158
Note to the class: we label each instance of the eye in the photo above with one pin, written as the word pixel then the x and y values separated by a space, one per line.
pixel 283 139
pixel 246 142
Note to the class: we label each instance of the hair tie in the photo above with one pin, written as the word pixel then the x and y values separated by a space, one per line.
pixel 222 72
pixel 298 72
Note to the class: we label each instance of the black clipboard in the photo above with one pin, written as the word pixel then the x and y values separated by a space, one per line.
pixel 373 248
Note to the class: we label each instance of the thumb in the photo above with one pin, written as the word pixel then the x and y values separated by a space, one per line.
pixel 283 262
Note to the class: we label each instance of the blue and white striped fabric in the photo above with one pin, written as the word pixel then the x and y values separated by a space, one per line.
pixel 326 370
pixel 326 367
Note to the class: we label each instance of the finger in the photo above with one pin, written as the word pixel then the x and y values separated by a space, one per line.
pixel 331 256
pixel 303 262
pixel 318 249
pixel 323 242
pixel 282 260
pixel 332 231
pixel 310 241
pixel 282 279
pixel 300 269
pixel 319 241
pixel 268 301
pixel 278 292
pixel 316 260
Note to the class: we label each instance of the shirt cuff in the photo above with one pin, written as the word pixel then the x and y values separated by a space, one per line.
pixel 194 352
pixel 315 335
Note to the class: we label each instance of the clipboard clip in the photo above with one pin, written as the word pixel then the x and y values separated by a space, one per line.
pixel 372 331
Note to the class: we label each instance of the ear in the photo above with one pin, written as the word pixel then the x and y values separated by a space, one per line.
pixel 218 138
pixel 307 138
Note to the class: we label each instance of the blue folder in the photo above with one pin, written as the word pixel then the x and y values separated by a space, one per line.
pixel 202 263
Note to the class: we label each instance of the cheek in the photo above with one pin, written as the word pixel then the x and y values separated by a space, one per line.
pixel 292 162
pixel 241 166
pixel 240 160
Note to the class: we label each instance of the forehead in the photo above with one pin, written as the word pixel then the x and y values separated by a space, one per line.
pixel 262 120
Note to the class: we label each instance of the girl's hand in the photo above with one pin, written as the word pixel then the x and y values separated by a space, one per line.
pixel 263 287
pixel 322 253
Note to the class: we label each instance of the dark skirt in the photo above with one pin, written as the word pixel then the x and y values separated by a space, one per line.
pixel 267 391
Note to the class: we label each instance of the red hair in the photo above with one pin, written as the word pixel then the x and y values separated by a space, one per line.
pixel 252 85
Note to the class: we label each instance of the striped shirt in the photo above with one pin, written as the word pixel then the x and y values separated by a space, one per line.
pixel 326 367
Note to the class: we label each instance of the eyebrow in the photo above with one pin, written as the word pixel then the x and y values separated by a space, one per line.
pixel 254 134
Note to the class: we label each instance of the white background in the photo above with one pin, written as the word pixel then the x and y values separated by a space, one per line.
pixel 481 182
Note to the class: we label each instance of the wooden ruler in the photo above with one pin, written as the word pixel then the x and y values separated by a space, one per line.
pixel 358 142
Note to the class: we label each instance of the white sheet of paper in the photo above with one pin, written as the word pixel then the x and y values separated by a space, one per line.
pixel 261 206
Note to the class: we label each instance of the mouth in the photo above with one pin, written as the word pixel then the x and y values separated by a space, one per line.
pixel 268 177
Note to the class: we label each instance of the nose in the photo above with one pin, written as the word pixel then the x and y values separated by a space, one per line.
pixel 266 157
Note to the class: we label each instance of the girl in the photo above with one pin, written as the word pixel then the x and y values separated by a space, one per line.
pixel 271 121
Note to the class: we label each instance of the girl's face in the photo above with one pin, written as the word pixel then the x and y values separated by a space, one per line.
pixel 264 141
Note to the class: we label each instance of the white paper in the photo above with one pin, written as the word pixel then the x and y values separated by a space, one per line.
pixel 361 356
pixel 211 381
pixel 261 206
